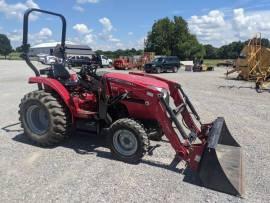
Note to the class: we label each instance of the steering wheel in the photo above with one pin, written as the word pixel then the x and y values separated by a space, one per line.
pixel 90 69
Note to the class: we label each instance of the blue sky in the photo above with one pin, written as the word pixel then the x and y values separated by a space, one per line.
pixel 113 24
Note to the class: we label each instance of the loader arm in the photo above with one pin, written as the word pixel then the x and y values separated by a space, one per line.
pixel 217 158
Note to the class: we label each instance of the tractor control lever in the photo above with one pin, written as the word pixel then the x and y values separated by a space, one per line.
pixel 118 98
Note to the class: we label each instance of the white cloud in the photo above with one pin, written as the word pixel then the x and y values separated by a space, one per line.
pixel 106 23
pixel 214 18
pixel 89 38
pixel 45 33
pixel 86 35
pixel 15 36
pixel 82 28
pixel 78 8
pixel 211 28
pixel 140 43
pixel 108 37
pixel 17 10
pixel 218 29
pixel 87 1
pixel 247 24
pixel 104 40
pixel 130 33
pixel 106 34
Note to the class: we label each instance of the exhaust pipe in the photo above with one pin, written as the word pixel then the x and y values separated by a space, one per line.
pixel 221 164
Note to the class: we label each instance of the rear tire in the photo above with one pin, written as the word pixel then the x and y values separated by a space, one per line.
pixel 127 140
pixel 44 118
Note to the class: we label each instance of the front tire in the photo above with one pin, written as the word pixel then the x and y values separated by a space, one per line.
pixel 158 70
pixel 127 140
pixel 175 69
pixel 44 118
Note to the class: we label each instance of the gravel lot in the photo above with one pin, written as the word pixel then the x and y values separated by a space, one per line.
pixel 81 169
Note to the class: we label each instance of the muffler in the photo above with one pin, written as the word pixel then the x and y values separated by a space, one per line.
pixel 221 164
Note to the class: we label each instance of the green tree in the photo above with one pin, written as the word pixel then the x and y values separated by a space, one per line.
pixel 172 37
pixel 20 48
pixel 120 52
pixel 5 46
pixel 160 39
pixel 230 51
pixel 211 52
pixel 266 43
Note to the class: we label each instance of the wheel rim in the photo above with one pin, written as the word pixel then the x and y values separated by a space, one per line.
pixel 174 69
pixel 125 142
pixel 37 119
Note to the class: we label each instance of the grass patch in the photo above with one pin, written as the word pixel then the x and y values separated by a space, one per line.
pixel 212 62
pixel 12 56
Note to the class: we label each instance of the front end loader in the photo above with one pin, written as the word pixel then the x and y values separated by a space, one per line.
pixel 127 108
pixel 209 149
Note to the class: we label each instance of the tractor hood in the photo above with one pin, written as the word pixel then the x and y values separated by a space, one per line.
pixel 138 80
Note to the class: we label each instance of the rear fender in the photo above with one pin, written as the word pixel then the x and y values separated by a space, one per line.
pixel 56 86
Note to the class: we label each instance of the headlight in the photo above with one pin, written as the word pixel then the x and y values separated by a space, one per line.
pixel 164 92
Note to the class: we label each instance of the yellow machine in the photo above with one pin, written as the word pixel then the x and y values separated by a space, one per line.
pixel 147 57
pixel 254 63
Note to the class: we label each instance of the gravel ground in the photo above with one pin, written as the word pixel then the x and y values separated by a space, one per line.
pixel 81 169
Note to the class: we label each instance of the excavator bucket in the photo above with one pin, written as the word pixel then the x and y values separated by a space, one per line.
pixel 221 163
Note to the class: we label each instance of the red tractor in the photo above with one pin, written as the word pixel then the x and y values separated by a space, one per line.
pixel 127 108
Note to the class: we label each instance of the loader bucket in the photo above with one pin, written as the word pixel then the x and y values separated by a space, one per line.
pixel 221 163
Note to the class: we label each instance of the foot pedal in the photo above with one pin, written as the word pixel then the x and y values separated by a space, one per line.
pixel 152 148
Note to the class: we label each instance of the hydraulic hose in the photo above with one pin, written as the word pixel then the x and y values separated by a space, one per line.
pixel 190 105
pixel 174 119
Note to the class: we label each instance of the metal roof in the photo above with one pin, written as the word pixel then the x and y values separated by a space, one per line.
pixel 79 50
pixel 71 48
pixel 50 45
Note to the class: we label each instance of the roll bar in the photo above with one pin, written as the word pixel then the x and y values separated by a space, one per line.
pixel 25 45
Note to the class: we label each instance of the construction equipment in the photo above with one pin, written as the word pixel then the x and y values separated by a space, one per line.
pixel 127 63
pixel 147 57
pixel 254 63
pixel 123 63
pixel 125 108
pixel 199 66
pixel 226 63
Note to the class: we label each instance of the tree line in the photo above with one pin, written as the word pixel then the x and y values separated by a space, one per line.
pixel 5 46
pixel 166 37
pixel 120 52
pixel 230 51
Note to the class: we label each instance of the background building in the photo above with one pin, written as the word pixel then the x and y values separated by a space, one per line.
pixel 72 49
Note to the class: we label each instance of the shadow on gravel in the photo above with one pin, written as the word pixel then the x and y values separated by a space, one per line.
pixel 9 128
pixel 85 144
pixel 236 87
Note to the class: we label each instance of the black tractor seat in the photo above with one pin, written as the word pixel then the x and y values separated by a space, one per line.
pixel 60 71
